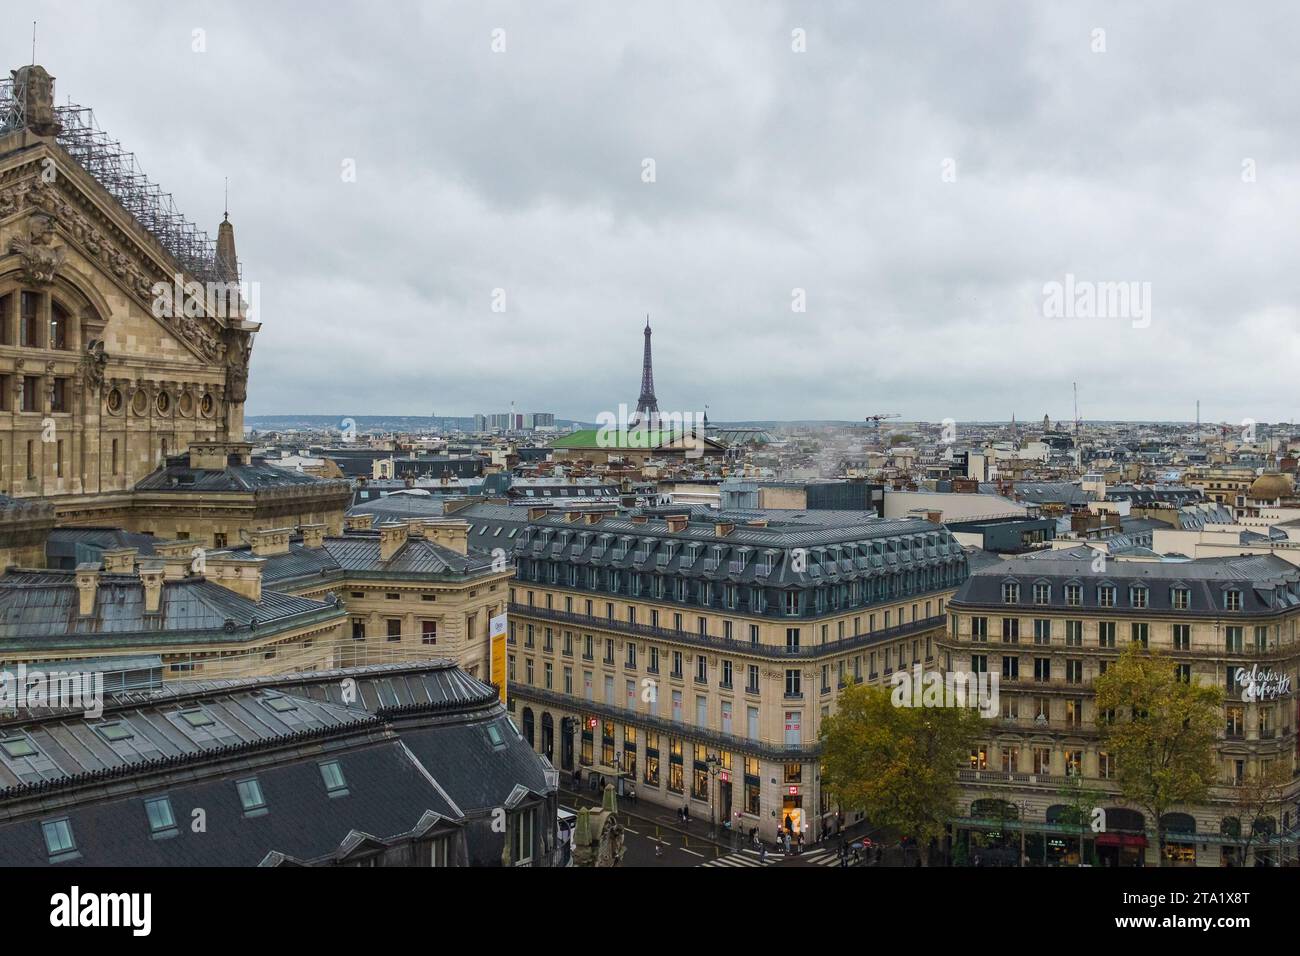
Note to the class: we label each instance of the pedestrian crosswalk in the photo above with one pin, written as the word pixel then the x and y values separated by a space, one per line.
pixel 742 858
pixel 823 857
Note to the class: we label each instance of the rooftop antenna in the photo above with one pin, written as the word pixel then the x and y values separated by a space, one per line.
pixel 227 200
pixel 33 43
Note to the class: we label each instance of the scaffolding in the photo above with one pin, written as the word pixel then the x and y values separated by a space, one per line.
pixel 116 169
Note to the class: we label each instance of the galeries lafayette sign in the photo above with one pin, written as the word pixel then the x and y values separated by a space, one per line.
pixel 1259 684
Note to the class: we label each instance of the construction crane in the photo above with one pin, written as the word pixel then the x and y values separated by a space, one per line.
pixel 875 420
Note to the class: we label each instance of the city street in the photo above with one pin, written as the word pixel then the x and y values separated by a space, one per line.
pixel 647 827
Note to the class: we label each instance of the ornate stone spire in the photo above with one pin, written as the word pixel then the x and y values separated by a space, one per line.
pixel 227 262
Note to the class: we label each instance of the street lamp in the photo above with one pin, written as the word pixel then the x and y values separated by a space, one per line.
pixel 714 765
pixel 1023 806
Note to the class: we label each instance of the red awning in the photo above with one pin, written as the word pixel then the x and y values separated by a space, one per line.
pixel 1120 839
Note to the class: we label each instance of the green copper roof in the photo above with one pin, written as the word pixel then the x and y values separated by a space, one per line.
pixel 617 438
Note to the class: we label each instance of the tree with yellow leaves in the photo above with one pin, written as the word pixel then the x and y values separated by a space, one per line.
pixel 897 764
pixel 1160 730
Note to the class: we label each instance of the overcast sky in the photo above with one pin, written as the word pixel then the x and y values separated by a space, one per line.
pixel 922 171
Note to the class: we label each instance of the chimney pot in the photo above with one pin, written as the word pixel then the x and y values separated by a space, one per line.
pixel 392 537
pixel 87 587
pixel 152 573
pixel 313 535
pixel 119 560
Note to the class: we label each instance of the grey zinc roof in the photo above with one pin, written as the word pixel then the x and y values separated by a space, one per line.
pixel 837 546
pixel 43 606
pixel 359 553
pixel 177 475
pixel 1266 583
pixel 412 746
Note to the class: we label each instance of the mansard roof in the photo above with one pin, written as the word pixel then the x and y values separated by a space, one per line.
pixel 725 546
pixel 1266 583
pixel 411 741
pixel 358 553
pixel 176 475
pixel 39 609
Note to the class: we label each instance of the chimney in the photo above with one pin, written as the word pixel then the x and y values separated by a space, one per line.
pixel 119 560
pixel 173 549
pixel 596 517
pixel 313 535
pixel 358 522
pixel 392 537
pixel 270 541
pixel 933 516
pixel 537 512
pixel 218 455
pixel 724 528
pixel 240 574
pixel 152 574
pixel 176 567
pixel 677 523
pixel 640 519
pixel 572 515
pixel 452 534
pixel 87 586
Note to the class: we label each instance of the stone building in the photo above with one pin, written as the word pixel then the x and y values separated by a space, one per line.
pixel 691 655
pixel 410 589
pixel 104 370
pixel 1049 626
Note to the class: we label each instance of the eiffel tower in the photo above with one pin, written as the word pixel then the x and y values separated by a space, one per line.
pixel 647 404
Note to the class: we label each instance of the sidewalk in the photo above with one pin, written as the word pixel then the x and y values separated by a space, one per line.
pixel 697 831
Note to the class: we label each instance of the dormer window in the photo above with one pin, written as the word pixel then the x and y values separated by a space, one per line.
pixel 1180 598
pixel 1042 593
pixel 1106 595
pixel 1010 592
pixel 1073 595
pixel 1138 597
pixel 1232 600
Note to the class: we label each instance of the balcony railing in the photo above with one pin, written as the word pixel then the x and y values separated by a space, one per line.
pixel 673 728
pixel 803 652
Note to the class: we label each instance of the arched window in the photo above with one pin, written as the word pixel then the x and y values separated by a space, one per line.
pixel 1122 818
pixel 528 725
pixel 60 325
pixel 548 734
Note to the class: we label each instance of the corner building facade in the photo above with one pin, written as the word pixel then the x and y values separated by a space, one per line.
pixel 693 654
pixel 1049 626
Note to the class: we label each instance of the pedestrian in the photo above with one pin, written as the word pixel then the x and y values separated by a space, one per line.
pixel 762 853
pixel 577 778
